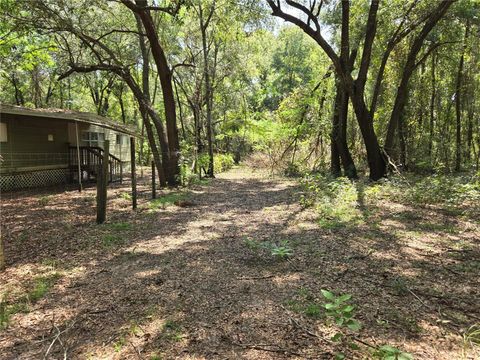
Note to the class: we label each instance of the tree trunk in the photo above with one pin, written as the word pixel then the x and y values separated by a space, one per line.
pixel 458 103
pixel 432 107
pixel 159 164
pixel 410 65
pixel 339 133
pixel 335 168
pixel 165 75
pixel 375 158
pixel 208 87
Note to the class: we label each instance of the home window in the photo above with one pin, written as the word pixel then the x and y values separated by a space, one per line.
pixel 3 132
pixel 92 138
pixel 122 139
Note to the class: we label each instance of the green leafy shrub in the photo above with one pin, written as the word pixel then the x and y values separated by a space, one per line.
pixel 335 199
pixel 292 170
pixel 340 310
pixel 387 352
pixel 221 162
pixel 445 189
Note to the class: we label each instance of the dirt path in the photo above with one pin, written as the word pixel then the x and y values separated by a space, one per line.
pixel 187 282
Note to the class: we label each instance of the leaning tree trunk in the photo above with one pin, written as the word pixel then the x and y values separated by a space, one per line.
pixel 410 65
pixel 165 75
pixel 375 158
pixel 159 164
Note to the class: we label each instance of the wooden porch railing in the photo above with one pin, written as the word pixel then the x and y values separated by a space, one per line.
pixel 90 160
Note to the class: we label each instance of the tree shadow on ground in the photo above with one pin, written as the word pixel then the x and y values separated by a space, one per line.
pixel 186 285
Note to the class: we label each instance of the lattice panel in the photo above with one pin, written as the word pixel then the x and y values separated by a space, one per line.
pixel 33 179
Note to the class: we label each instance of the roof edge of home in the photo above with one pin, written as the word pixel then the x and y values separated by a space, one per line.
pixel 70 115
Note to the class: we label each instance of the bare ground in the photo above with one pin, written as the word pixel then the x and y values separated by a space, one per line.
pixel 181 282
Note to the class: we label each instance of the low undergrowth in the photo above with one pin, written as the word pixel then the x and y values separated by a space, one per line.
pixel 337 312
pixel 341 202
pixel 115 234
pixel 280 250
pixel 165 200
pixel 11 304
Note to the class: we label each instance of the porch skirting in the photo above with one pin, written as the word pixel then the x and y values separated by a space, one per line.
pixel 32 179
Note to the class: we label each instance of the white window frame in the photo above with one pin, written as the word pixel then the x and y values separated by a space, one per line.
pixel 123 139
pixel 93 138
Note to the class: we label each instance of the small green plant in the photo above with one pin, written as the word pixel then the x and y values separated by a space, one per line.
pixel 471 339
pixel 252 244
pixel 51 263
pixel 41 286
pixel 126 196
pixel 172 331
pixel 281 251
pixel 340 311
pixel 110 240
pixel 6 311
pixel 118 345
pixel 120 226
pixel 313 310
pixel 399 286
pixel 336 200
pixel 44 200
pixel 387 352
pixel 165 200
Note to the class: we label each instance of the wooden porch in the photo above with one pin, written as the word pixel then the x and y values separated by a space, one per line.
pixel 87 161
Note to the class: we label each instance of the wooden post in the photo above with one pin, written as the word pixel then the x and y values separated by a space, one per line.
pixel 78 159
pixel 133 174
pixel 102 182
pixel 121 172
pixel 154 188
pixel 2 255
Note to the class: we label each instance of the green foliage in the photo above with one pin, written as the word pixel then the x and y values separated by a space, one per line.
pixel 167 199
pixel 44 200
pixel 280 250
pixel 471 338
pixel 119 226
pixel 117 233
pixel 387 352
pixel 172 331
pixel 7 310
pixel 221 162
pixel 119 344
pixel 110 240
pixel 336 200
pixel 447 190
pixel 126 196
pixel 40 286
pixel 340 311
